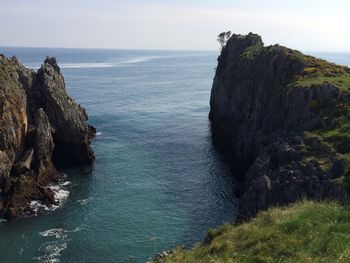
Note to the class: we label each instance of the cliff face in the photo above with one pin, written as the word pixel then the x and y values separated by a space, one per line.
pixel 38 121
pixel 286 117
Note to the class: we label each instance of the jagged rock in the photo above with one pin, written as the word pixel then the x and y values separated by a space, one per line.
pixel 44 146
pixel 25 164
pixel 5 167
pixel 38 121
pixel 26 190
pixel 67 118
pixel 270 107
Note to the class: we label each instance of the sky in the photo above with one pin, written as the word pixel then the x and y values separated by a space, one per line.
pixel 307 25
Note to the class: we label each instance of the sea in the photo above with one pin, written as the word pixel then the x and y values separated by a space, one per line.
pixel 157 182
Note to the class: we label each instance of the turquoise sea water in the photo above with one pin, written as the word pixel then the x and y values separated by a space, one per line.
pixel 157 181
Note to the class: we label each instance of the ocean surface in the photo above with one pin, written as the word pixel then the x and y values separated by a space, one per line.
pixel 157 181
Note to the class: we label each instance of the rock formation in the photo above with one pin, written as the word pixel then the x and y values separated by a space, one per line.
pixel 285 117
pixel 40 125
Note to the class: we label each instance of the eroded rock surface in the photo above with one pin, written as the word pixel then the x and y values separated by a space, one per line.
pixel 285 117
pixel 39 126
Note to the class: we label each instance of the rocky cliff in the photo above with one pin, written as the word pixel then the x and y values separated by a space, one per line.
pixel 40 125
pixel 285 117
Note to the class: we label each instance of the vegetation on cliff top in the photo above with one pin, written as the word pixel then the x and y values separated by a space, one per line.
pixel 303 232
pixel 315 71
pixel 318 72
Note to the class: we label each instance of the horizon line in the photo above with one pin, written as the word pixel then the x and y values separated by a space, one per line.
pixel 151 49
pixel 111 48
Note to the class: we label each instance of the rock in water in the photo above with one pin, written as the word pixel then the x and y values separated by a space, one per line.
pixel 285 117
pixel 67 118
pixel 40 125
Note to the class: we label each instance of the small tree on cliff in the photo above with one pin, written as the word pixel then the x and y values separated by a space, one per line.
pixel 223 38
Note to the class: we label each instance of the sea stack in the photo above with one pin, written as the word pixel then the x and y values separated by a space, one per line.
pixel 40 126
pixel 285 117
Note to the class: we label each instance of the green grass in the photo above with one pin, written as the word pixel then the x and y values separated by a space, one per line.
pixel 342 81
pixel 313 71
pixel 336 134
pixel 303 232
pixel 252 52
pixel 319 71
pixel 338 131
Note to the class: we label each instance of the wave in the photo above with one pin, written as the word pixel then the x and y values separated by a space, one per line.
pixel 58 232
pixel 98 64
pixel 86 65
pixel 55 232
pixel 84 201
pixel 99 133
pixel 76 65
pixel 140 59
pixel 51 252
pixel 60 194
pixel 132 60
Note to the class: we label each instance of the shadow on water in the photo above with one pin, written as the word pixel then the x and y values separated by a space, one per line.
pixel 223 146
pixel 207 188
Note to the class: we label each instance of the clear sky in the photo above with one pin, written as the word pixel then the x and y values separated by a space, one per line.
pixel 309 25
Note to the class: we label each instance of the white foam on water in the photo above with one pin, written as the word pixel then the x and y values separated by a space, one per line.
pixel 139 59
pixel 60 195
pixel 37 206
pixel 65 183
pixel 55 232
pixel 77 229
pixel 33 67
pixel 51 252
pixel 86 65
pixel 77 65
pixel 84 201
pixel 134 60
pixel 99 133
pixel 58 233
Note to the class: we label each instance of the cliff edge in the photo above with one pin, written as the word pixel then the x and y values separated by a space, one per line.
pixel 40 125
pixel 285 117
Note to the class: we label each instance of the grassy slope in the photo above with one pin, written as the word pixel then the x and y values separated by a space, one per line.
pixel 318 71
pixel 303 232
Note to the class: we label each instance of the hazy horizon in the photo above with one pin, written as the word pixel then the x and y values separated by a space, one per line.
pixel 312 26
pixel 151 49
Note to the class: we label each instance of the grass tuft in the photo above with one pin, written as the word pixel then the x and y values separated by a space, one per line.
pixel 302 232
